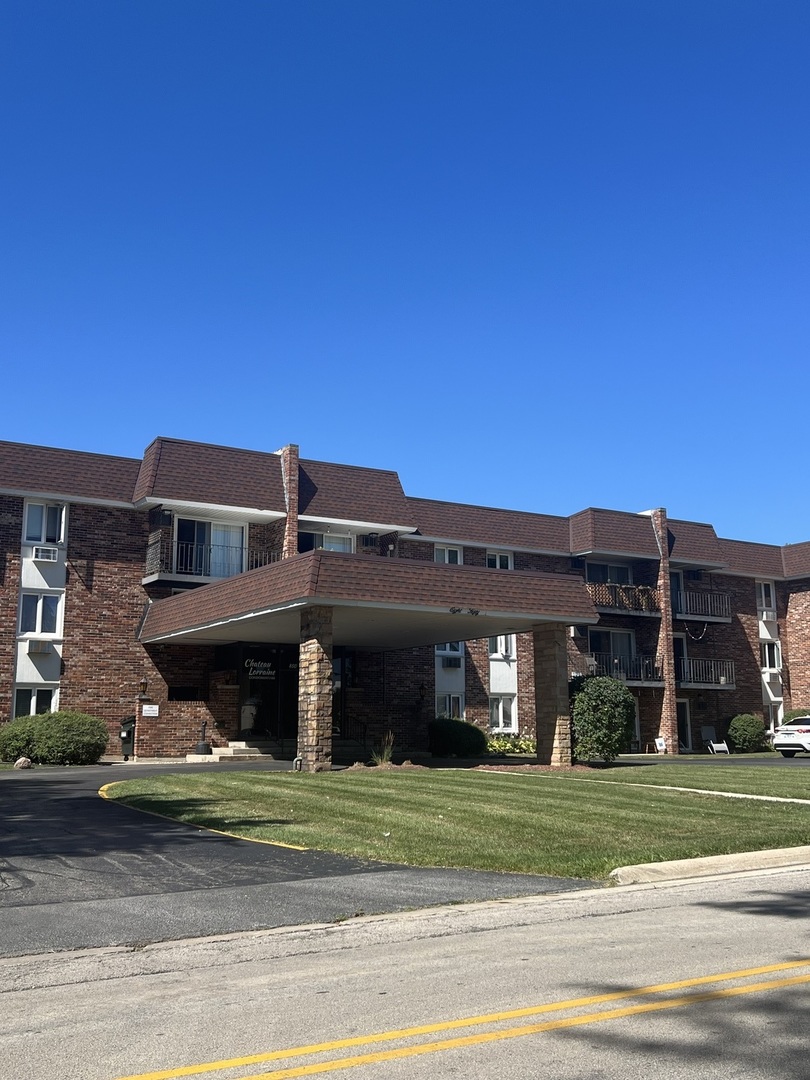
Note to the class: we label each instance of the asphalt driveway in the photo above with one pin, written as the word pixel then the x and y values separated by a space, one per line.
pixel 77 871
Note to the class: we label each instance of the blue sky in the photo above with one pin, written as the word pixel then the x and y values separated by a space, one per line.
pixel 542 255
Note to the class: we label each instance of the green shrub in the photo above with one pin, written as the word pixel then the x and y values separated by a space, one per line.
pixel 748 733
pixel 456 738
pixel 603 717
pixel 791 714
pixel 504 743
pixel 57 738
pixel 18 738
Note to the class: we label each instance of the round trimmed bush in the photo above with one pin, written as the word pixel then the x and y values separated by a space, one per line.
pixel 58 738
pixel 448 737
pixel 748 733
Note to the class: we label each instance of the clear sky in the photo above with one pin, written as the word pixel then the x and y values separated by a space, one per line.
pixel 541 254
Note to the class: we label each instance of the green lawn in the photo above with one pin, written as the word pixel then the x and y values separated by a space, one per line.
pixel 537 823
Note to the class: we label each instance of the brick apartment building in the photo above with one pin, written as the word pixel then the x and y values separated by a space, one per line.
pixel 303 602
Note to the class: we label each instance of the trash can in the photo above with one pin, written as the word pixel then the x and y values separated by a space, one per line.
pixel 128 736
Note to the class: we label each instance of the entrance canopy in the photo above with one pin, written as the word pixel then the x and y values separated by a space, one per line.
pixel 376 603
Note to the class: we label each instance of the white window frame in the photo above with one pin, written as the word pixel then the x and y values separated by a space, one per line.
pixel 35 690
pixel 213 555
pixel 500 560
pixel 445 704
pixel 766 647
pixel 45 535
pixel 38 632
pixel 442 553
pixel 450 648
pixel 496 703
pixel 766 597
pixel 502 646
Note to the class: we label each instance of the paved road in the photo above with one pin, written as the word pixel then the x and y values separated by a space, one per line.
pixel 77 871
pixel 565 987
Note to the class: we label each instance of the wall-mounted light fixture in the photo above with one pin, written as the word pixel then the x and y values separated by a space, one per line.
pixel 422 692
pixel 142 686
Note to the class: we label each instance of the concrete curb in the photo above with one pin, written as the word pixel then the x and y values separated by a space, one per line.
pixel 710 866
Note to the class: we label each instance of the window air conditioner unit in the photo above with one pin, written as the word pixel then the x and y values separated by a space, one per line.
pixel 451 661
pixel 46 554
pixel 40 648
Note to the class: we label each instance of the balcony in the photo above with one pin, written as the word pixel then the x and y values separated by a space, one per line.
pixel 634 599
pixel 706 606
pixel 210 561
pixel 643 670
pixel 705 674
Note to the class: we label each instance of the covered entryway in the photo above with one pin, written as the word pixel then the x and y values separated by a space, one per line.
pixel 324 599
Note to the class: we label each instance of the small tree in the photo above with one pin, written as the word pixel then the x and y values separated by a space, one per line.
pixel 603 717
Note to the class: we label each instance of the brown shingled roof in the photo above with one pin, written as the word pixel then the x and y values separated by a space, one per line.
pixel 66 473
pixel 796 560
pixel 351 493
pixel 612 532
pixel 692 541
pixel 201 473
pixel 377 602
pixel 487 525
pixel 752 560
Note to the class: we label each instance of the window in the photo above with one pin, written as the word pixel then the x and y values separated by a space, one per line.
pixel 29 701
pixel 328 541
pixel 611 642
pixel 770 656
pixel 44 523
pixel 502 713
pixel 450 555
pixel 451 705
pixel 208 548
pixel 499 560
pixel 449 648
pixel 608 573
pixel 502 646
pixel 766 600
pixel 39 613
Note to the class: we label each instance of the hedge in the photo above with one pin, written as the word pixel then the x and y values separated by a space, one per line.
pixel 57 738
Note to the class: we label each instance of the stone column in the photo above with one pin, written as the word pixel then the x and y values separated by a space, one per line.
pixel 315 690
pixel 552 710
pixel 665 658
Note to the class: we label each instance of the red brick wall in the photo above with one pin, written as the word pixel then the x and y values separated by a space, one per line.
pixel 104 603
pixel 795 602
pixel 11 523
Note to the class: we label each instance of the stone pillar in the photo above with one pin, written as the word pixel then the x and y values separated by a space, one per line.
pixel 315 690
pixel 665 659
pixel 289 473
pixel 553 717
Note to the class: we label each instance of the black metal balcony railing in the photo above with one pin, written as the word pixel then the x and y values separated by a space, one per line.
pixel 203 560
pixel 624 597
pixel 628 668
pixel 689 671
pixel 701 605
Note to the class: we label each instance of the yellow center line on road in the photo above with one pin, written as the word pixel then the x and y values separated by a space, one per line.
pixel 490 1018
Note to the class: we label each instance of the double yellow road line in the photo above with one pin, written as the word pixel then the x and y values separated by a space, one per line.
pixel 676 1000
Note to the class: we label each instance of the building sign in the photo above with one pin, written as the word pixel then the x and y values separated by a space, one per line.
pixel 260 669
pixel 150 710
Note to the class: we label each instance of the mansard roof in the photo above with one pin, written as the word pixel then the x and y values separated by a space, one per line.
pixel 352 493
pixel 612 532
pixel 484 525
pixel 66 474
pixel 177 471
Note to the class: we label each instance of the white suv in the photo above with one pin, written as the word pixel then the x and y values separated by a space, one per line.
pixel 793 737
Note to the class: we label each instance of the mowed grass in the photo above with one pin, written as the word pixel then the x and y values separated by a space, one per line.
pixel 536 823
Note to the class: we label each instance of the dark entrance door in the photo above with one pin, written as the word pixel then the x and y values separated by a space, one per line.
pixel 269 692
